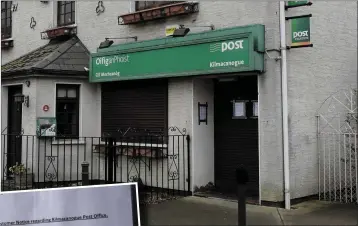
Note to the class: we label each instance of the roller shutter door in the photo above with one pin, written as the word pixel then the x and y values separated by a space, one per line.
pixel 136 104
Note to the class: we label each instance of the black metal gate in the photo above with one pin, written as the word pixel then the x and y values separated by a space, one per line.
pixel 158 161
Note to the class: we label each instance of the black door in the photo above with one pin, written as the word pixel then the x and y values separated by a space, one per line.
pixel 236 139
pixel 14 127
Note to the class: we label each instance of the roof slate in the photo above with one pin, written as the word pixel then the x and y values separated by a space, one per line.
pixel 58 55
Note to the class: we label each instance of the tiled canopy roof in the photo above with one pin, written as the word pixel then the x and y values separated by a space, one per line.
pixel 67 56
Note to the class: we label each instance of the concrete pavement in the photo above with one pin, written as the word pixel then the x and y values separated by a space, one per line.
pixel 212 211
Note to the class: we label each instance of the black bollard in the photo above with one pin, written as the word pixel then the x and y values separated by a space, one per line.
pixel 85 173
pixel 242 177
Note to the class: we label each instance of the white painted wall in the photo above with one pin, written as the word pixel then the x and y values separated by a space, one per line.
pixel 313 75
pixel 203 135
pixel 42 91
pixel 180 96
pixel 89 105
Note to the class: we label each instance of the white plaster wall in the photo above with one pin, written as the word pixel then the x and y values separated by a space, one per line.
pixel 25 38
pixel 180 96
pixel 66 162
pixel 67 159
pixel 92 29
pixel 313 75
pixel 89 105
pixel 203 135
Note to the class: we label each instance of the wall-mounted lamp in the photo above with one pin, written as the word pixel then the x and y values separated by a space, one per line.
pixel 26 101
pixel 181 31
pixel 107 42
pixel 203 112
pixel 27 83
pixel 21 98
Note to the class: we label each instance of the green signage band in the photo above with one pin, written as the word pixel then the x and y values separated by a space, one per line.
pixel 223 52
pixel 297 3
pixel 300 31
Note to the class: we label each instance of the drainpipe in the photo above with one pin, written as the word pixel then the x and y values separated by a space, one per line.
pixel 286 159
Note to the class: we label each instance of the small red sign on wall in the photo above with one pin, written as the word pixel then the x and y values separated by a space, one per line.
pixel 45 108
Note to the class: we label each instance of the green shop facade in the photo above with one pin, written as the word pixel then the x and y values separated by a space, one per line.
pixel 204 83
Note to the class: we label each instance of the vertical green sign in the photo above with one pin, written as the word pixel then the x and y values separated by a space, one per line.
pixel 296 3
pixel 300 31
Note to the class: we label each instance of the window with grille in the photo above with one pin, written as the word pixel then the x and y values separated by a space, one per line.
pixel 66 13
pixel 142 5
pixel 6 20
pixel 67 110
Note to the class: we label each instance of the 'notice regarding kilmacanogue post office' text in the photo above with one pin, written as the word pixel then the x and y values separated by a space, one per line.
pixel 98 216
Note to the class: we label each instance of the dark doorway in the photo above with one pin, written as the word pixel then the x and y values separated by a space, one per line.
pixel 236 137
pixel 14 129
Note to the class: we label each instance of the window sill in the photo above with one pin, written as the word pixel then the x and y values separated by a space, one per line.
pixel 64 26
pixel 7 43
pixel 66 30
pixel 238 117
pixel 161 12
pixel 155 145
pixel 134 149
pixel 68 142
pixel 7 39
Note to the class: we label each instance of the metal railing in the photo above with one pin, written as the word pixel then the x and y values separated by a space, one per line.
pixel 159 163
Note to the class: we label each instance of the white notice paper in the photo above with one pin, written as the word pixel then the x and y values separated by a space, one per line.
pixel 239 109
pixel 106 205
pixel 256 110
pixel 202 113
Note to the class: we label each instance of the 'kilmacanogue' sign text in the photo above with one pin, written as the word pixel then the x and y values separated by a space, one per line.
pixel 231 55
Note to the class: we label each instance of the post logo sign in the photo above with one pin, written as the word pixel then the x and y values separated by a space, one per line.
pixel 226 46
pixel 300 31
